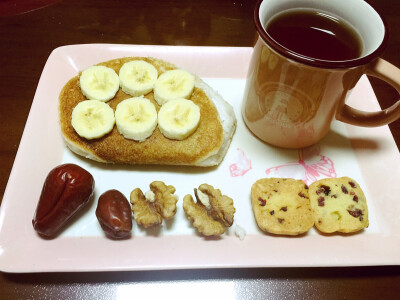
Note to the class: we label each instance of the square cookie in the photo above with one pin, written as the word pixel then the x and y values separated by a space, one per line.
pixel 281 206
pixel 338 205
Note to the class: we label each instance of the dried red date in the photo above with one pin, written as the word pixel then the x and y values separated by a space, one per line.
pixel 66 190
pixel 114 214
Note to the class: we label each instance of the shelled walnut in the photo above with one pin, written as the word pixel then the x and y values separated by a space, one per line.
pixel 212 213
pixel 158 203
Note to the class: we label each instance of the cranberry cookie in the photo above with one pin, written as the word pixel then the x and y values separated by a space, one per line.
pixel 338 204
pixel 281 206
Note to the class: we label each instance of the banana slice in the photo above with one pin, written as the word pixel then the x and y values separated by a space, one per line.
pixel 136 118
pixel 137 77
pixel 92 119
pixel 178 118
pixel 99 83
pixel 172 85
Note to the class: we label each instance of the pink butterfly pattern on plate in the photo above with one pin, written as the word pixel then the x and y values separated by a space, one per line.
pixel 242 165
pixel 310 167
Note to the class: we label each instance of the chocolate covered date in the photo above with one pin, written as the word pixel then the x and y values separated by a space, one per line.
pixel 66 190
pixel 114 214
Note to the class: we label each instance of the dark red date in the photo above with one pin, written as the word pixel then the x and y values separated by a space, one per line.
pixel 114 214
pixel 66 190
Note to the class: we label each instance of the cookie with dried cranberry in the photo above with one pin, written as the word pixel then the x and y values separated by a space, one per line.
pixel 338 205
pixel 281 206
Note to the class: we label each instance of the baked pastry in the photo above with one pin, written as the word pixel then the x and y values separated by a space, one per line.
pixel 281 206
pixel 338 204
pixel 206 146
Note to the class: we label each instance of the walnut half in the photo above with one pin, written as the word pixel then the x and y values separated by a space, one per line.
pixel 212 213
pixel 157 204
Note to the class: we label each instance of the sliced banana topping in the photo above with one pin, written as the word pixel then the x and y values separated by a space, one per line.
pixel 137 77
pixel 99 83
pixel 178 118
pixel 136 118
pixel 173 84
pixel 92 119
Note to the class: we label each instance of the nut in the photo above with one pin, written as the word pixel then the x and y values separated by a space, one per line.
pixel 222 208
pixel 114 214
pixel 143 210
pixel 210 216
pixel 159 204
pixel 165 199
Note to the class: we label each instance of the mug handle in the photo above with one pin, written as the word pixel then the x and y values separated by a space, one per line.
pixel 384 70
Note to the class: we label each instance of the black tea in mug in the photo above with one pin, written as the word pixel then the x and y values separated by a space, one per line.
pixel 315 34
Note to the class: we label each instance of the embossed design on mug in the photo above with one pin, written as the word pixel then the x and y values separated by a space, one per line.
pixel 285 106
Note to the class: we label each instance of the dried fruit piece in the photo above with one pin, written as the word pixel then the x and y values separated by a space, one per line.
pixel 355 213
pixel 212 213
pixel 352 184
pixel 67 189
pixel 344 189
pixel 262 201
pixel 157 204
pixel 114 214
pixel 324 189
pixel 302 195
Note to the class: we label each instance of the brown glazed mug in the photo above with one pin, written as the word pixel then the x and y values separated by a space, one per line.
pixel 290 100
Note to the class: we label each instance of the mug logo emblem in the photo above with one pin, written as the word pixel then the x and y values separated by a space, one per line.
pixel 285 105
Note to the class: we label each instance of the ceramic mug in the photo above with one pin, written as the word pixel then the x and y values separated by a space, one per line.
pixel 290 100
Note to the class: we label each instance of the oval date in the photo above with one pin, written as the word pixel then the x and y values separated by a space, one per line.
pixel 66 190
pixel 114 214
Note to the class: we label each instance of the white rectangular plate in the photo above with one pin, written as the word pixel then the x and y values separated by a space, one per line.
pixel 370 156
